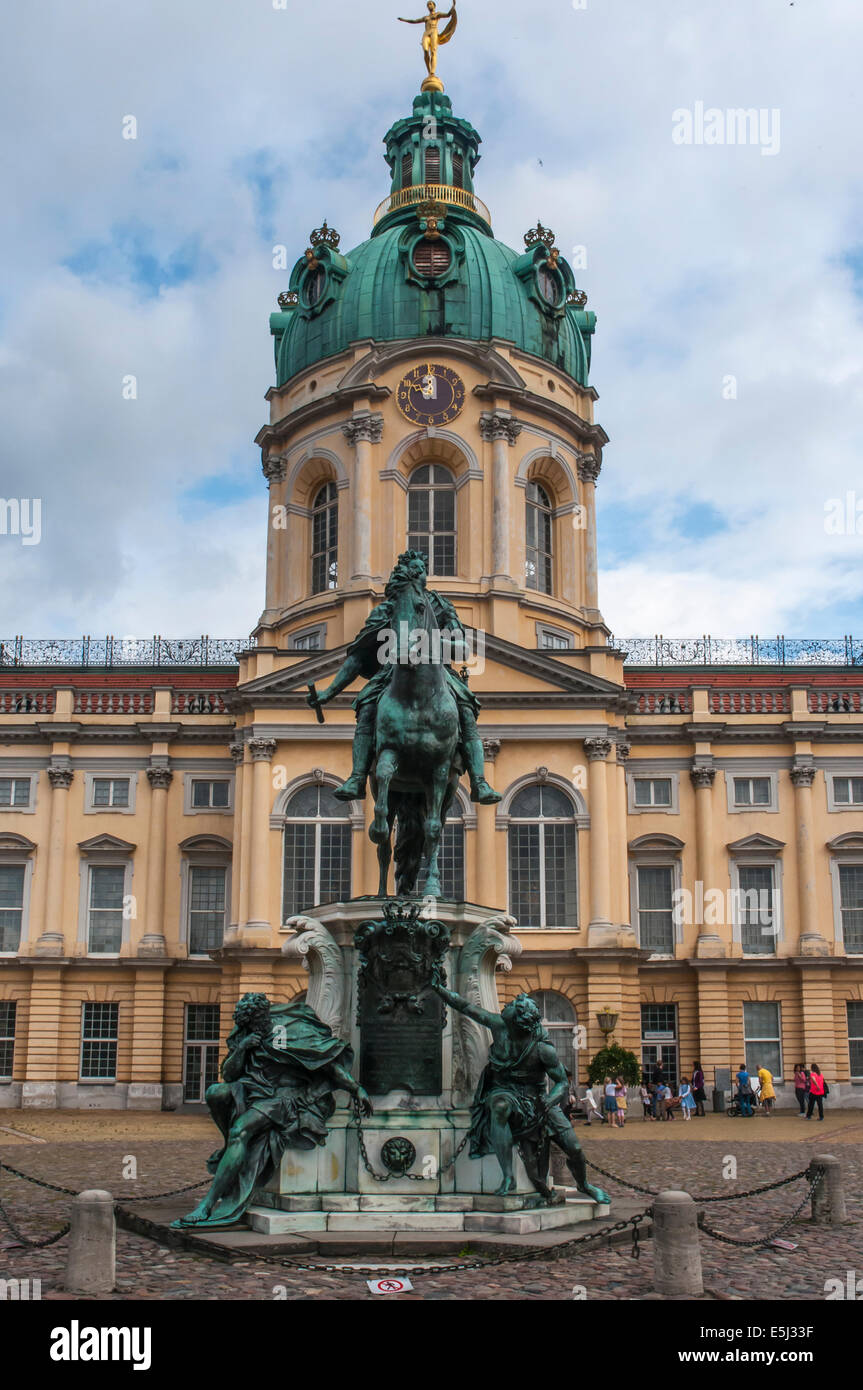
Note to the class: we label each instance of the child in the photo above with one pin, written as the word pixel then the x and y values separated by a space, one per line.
pixel 646 1102
pixel 589 1106
pixel 687 1100
pixel 620 1096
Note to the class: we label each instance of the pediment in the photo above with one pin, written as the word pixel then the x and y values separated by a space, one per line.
pixel 15 844
pixel 513 677
pixel 850 843
pixel 385 355
pixel 206 844
pixel 102 843
pixel 764 843
pixel 647 843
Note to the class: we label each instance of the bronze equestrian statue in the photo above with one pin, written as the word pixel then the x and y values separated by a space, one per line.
pixel 416 723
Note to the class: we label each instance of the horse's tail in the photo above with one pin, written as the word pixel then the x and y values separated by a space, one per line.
pixel 410 840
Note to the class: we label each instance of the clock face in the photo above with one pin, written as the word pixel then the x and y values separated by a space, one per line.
pixel 431 395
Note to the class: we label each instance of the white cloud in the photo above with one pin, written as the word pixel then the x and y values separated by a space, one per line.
pixel 702 262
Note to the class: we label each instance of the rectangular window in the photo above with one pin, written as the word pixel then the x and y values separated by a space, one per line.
pixel 855 1037
pixel 14 791
pixel 206 909
pixel 11 906
pixel 432 164
pixel 458 170
pixel 752 791
pixel 851 906
pixel 757 914
pixel 110 791
pixel 99 1042
pixel 762 1038
pixel 552 643
pixel 659 1040
pixel 848 791
pixel 8 1010
pixel 652 791
pixel 407 170
pixel 309 642
pixel 208 795
pixel 107 888
pixel 655 919
pixel 317 866
pixel 201 1052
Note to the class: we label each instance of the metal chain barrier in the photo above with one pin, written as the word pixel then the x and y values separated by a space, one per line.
pixel 72 1192
pixel 815 1177
pixel 531 1254
pixel 25 1240
pixel 730 1197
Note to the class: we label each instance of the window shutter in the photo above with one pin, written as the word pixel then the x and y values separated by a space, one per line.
pixel 407 170
pixel 432 257
pixel 433 164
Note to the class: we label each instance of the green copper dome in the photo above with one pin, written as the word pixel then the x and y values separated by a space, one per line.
pixel 432 266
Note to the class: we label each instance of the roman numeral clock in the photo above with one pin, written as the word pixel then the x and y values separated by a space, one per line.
pixel 431 395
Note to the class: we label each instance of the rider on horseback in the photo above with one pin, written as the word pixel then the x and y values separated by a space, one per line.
pixel 366 657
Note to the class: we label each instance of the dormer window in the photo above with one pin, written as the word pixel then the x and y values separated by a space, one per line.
pixel 432 258
pixel 549 285
pixel 314 285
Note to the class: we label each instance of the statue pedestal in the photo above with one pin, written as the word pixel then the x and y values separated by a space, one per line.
pixel 331 1188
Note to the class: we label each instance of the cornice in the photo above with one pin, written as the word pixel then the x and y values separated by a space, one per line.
pixel 548 410
pixel 313 411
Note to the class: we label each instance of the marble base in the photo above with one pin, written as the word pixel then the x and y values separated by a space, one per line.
pixel 355 1213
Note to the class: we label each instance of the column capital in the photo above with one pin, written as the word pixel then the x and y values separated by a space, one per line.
pixel 60 777
pixel 237 751
pixel 263 750
pixel 803 774
pixel 367 427
pixel 160 778
pixel 275 469
pixel 589 468
pixel 703 776
pixel 624 752
pixel 598 749
pixel 493 427
pixel 491 748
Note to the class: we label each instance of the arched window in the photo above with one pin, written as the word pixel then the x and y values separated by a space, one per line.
pixel 431 517
pixel 317 862
pixel 451 857
pixel 325 540
pixel 538 559
pixel 313 285
pixel 543 870
pixel 558 1018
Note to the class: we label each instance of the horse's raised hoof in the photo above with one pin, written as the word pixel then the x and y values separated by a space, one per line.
pixel 353 790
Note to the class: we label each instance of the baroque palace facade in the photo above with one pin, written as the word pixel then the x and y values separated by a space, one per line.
pixel 680 835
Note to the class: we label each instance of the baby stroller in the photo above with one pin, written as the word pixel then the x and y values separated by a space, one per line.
pixel 733 1108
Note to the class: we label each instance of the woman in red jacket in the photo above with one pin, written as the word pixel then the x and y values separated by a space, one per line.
pixel 816 1092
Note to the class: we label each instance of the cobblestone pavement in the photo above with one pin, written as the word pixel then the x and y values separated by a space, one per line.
pixel 696 1162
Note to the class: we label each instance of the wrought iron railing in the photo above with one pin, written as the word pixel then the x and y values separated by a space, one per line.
pixel 740 651
pixel 433 192
pixel 110 652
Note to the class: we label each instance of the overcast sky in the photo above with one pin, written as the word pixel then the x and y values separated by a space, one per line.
pixel 153 257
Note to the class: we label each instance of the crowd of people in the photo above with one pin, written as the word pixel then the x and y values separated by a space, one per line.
pixel 662 1098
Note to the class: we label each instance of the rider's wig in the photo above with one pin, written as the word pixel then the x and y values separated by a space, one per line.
pixel 412 565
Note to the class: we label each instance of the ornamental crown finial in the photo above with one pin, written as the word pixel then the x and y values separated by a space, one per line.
pixel 539 235
pixel 325 236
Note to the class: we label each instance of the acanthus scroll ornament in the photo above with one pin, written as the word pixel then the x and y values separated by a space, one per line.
pixel 490 947
pixel 321 956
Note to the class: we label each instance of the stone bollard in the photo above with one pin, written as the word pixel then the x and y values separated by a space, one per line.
pixel 92 1258
pixel 676 1249
pixel 828 1199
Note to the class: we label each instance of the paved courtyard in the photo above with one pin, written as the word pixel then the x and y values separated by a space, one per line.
pixel 712 1156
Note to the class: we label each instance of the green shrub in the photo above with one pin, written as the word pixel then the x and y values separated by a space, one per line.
pixel 615 1061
